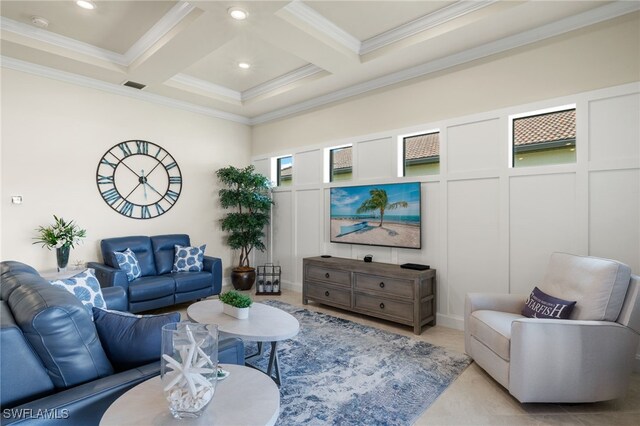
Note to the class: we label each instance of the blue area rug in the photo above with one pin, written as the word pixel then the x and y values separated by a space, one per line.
pixel 338 372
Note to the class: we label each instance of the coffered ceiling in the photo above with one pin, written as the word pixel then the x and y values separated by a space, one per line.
pixel 302 54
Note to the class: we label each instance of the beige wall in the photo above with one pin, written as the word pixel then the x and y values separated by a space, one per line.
pixel 604 55
pixel 53 136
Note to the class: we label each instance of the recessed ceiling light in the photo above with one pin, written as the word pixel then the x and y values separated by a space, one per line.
pixel 86 4
pixel 39 21
pixel 244 65
pixel 238 13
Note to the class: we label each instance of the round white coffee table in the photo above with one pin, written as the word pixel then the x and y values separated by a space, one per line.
pixel 246 397
pixel 265 324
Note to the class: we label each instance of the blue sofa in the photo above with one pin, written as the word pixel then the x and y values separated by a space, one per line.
pixel 54 368
pixel 158 286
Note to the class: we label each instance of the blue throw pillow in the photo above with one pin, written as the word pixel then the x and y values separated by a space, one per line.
pixel 188 259
pixel 85 287
pixel 131 340
pixel 128 262
pixel 541 305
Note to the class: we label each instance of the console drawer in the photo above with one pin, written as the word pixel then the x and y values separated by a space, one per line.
pixel 328 294
pixel 337 277
pixel 389 286
pixel 379 306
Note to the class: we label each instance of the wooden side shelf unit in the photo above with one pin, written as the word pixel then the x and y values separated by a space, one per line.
pixel 381 290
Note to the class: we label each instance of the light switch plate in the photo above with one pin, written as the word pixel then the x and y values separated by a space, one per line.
pixel 16 199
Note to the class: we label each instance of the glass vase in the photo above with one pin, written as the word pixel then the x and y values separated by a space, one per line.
pixel 188 367
pixel 62 257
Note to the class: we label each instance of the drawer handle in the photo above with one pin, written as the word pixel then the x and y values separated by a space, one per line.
pixel 381 285
pixel 382 306
pixel 326 275
pixel 326 293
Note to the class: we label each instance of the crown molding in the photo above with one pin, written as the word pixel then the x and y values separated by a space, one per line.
pixel 61 41
pixel 281 81
pixel 590 17
pixel 423 23
pixel 162 27
pixel 79 80
pixel 172 18
pixel 206 86
pixel 309 16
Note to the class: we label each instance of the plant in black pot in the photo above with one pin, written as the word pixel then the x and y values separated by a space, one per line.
pixel 248 194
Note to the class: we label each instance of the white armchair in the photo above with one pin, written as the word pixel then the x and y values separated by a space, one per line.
pixel 586 358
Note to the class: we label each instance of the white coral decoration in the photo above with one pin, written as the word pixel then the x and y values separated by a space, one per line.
pixel 189 389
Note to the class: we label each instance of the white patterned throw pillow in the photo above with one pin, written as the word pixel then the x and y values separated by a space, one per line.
pixel 86 288
pixel 188 259
pixel 128 262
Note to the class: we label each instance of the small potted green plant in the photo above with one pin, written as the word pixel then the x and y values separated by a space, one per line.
pixel 62 235
pixel 235 304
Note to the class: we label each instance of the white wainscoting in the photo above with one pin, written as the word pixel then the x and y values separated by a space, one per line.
pixel 486 227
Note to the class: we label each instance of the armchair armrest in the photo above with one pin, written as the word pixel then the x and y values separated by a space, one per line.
pixel 116 298
pixel 214 265
pixel 512 303
pixel 561 360
pixel 108 276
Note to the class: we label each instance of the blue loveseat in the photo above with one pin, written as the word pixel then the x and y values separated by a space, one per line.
pixel 158 286
pixel 54 367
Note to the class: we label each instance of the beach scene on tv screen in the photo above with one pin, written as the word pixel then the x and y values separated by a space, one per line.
pixel 385 215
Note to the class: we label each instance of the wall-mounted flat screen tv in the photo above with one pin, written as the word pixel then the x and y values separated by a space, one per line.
pixel 377 215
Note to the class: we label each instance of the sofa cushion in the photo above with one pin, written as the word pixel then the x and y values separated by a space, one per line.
pixel 140 245
pixel 23 375
pixel 85 287
pixel 493 329
pixel 61 332
pixel 131 340
pixel 148 288
pixel 128 262
pixel 191 281
pixel 542 305
pixel 188 259
pixel 164 250
pixel 597 285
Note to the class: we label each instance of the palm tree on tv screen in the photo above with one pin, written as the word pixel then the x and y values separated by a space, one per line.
pixel 379 201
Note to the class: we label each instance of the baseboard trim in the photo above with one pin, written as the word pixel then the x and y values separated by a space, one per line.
pixel 450 321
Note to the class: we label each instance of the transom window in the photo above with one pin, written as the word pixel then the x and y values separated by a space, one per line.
pixel 340 164
pixel 285 171
pixel 543 138
pixel 421 154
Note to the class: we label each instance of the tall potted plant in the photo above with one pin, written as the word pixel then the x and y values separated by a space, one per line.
pixel 248 194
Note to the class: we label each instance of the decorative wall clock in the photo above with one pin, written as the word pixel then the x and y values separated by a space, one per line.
pixel 139 179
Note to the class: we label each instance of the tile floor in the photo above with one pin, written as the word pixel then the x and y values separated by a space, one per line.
pixel 475 398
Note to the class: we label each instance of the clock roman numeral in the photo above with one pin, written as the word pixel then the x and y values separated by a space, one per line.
pixel 125 149
pixel 108 163
pixel 142 147
pixel 175 180
pixel 111 196
pixel 160 151
pixel 126 209
pixel 170 165
pixel 171 196
pixel 105 180
pixel 159 208
pixel 144 212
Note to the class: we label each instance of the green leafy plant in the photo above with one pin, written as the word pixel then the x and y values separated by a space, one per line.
pixel 60 234
pixel 236 299
pixel 249 194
